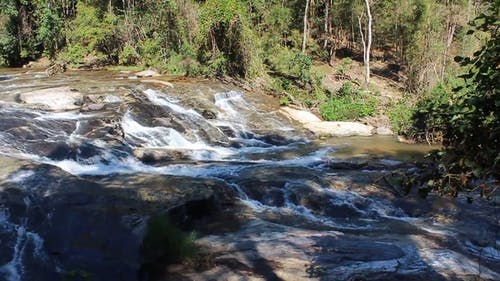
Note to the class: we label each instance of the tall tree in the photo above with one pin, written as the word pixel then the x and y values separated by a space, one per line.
pixel 367 43
pixel 304 39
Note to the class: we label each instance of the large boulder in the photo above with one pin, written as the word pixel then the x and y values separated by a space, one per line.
pixel 60 98
pixel 300 116
pixel 328 129
pixel 73 227
pixel 339 129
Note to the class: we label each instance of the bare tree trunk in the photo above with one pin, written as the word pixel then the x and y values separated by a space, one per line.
pixel 327 22
pixel 304 40
pixel 366 43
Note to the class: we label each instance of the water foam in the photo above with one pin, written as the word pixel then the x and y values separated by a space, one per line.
pixel 162 100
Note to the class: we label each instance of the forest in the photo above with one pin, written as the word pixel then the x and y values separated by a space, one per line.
pixel 444 54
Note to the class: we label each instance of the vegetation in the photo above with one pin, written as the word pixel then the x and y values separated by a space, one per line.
pixel 470 121
pixel 349 103
pixel 165 242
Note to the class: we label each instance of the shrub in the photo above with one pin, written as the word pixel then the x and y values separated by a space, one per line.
pixel 401 114
pixel 129 56
pixel 349 103
pixel 151 52
pixel 300 67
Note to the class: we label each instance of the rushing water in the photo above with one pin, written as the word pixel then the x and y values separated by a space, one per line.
pixel 199 130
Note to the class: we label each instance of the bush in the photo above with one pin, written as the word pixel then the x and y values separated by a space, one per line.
pixel 300 67
pixel 426 124
pixel 151 53
pixel 349 103
pixel 470 121
pixel 129 56
pixel 92 34
pixel 401 116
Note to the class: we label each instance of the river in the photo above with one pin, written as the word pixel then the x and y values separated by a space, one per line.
pixel 88 157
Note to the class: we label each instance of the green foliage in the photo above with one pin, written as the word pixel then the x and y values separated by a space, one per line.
pixel 401 116
pixel 279 58
pixel 349 103
pixel 427 123
pixel 300 67
pixel 167 243
pixel 49 30
pixel 229 45
pixel 129 56
pixel 151 52
pixel 91 35
pixel 471 123
pixel 345 66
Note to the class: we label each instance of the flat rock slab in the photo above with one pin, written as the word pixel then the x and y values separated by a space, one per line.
pixel 60 98
pixel 300 116
pixel 339 129
pixel 147 73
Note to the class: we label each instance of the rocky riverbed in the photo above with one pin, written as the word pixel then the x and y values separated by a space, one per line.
pixel 87 158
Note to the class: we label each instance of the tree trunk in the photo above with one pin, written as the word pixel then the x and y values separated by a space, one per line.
pixel 327 22
pixel 367 44
pixel 304 40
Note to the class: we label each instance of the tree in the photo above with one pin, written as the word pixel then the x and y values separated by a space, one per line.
pixel 366 43
pixel 305 32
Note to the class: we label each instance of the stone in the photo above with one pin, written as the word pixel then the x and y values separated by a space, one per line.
pixel 60 98
pixel 339 129
pixel 147 73
pixel 384 131
pixel 156 155
pixel 156 81
pixel 300 116
pixel 94 107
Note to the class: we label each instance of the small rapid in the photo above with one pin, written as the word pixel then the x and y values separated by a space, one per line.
pixel 126 138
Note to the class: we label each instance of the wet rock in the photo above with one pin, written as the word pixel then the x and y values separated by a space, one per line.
pixel 159 155
pixel 208 114
pixel 275 139
pixel 61 98
pixel 147 73
pixel 93 107
pixel 339 129
pixel 95 226
pixel 92 99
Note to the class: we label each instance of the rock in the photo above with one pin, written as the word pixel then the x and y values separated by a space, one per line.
pixel 384 131
pixel 208 114
pixel 156 81
pixel 94 107
pixel 92 227
pixel 111 99
pixel 92 98
pixel 300 116
pixel 339 129
pixel 147 73
pixel 156 155
pixel 324 128
pixel 61 98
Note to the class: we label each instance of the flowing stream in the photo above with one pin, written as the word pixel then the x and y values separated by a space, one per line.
pixel 77 184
